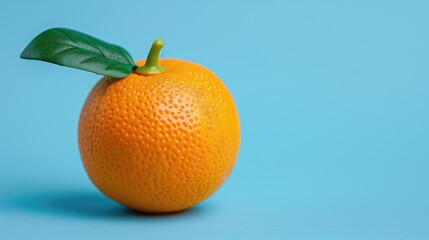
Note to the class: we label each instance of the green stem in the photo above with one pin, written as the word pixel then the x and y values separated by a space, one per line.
pixel 151 66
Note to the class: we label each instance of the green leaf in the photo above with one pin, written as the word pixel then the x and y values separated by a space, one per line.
pixel 74 49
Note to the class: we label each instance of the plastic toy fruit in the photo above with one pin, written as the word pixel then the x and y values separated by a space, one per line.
pixel 155 135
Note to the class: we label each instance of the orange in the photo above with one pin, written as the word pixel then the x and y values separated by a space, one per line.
pixel 153 136
pixel 163 142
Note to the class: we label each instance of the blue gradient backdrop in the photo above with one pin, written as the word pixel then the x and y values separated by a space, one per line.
pixel 333 98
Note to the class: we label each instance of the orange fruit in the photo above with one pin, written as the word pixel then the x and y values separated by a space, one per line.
pixel 156 136
pixel 163 142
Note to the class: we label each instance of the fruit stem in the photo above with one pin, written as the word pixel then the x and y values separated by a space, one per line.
pixel 151 66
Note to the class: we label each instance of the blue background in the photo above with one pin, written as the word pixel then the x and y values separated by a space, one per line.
pixel 332 95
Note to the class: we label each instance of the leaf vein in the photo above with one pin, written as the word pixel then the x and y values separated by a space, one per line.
pixel 64 34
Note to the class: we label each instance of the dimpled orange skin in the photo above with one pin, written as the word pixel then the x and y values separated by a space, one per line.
pixel 160 143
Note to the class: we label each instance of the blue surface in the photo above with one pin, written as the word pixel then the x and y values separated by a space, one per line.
pixel 333 99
